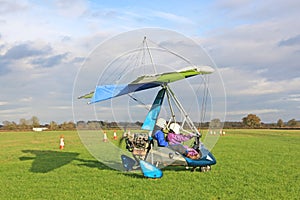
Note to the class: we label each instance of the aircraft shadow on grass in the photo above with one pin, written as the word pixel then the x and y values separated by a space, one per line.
pixel 46 161
pixel 93 164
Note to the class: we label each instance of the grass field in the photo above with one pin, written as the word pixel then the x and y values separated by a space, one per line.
pixel 251 164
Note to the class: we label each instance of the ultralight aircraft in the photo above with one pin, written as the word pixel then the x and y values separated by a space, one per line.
pixel 147 156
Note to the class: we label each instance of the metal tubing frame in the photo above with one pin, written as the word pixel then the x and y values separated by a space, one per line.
pixel 186 119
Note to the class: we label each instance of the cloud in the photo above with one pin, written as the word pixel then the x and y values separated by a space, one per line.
pixel 10 113
pixel 255 47
pixel 249 91
pixel 29 55
pixel 4 69
pixel 38 79
pixel 253 111
pixel 26 99
pixel 3 103
pixel 78 59
pixel 7 6
pixel 253 11
pixel 66 39
pixel 295 40
pixel 62 107
pixel 71 8
pixel 292 97
pixel 240 81
pixel 25 50
pixel 50 61
pixel 254 44
pixel 172 17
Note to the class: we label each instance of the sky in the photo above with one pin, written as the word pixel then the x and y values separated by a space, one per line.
pixel 254 44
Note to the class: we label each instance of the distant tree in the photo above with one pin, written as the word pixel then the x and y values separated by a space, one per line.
pixel 280 123
pixel 93 125
pixel 103 124
pixel 81 125
pixel 68 126
pixel 252 121
pixel 7 125
pixel 215 123
pixel 292 123
pixel 71 125
pixel 53 126
pixel 23 124
pixel 35 121
pixel 113 125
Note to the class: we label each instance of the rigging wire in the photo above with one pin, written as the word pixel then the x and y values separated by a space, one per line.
pixel 150 55
pixel 142 64
pixel 204 101
pixel 205 80
pixel 198 98
pixel 139 101
pixel 172 52
pixel 136 60
pixel 131 59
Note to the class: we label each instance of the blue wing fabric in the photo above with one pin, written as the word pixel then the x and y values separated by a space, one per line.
pixel 105 92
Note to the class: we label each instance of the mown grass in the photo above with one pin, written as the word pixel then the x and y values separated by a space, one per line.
pixel 251 164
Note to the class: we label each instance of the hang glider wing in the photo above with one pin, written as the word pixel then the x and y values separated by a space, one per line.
pixel 105 92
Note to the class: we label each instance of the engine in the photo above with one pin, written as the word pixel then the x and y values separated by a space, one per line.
pixel 137 143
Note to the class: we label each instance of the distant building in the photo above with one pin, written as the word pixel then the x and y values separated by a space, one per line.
pixel 39 129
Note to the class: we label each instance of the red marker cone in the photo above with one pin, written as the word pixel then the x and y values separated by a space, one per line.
pixel 61 142
pixel 104 137
pixel 115 135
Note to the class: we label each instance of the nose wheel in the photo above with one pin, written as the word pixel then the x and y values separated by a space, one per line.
pixel 202 168
pixel 205 168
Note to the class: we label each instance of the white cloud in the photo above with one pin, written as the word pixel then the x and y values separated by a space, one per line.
pixel 71 8
pixel 10 114
pixel 26 99
pixel 3 103
pixel 255 44
pixel 246 82
pixel 172 17
pixel 62 107
pixel 8 7
pixel 258 112
pixel 292 97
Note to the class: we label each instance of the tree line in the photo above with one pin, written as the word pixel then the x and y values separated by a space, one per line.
pixel 249 121
pixel 34 122
pixel 253 121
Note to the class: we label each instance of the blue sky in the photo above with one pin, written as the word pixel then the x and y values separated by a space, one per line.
pixel 255 44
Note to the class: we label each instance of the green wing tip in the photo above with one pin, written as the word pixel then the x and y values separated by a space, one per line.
pixel 86 96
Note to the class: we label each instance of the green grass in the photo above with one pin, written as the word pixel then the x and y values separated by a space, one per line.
pixel 251 164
